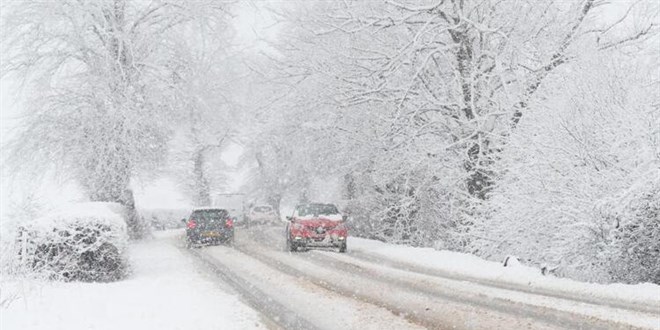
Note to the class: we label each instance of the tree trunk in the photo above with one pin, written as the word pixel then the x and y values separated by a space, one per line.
pixel 112 184
pixel 137 229
pixel 275 201
pixel 350 187
pixel 202 189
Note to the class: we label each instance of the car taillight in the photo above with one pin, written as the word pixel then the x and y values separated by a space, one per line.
pixel 191 224
pixel 229 222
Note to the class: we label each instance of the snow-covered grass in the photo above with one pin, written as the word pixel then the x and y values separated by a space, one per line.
pixel 470 266
pixel 165 291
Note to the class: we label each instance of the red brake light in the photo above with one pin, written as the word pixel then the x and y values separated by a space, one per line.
pixel 229 222
pixel 191 224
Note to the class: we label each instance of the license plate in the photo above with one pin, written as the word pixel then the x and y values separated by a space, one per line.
pixel 211 234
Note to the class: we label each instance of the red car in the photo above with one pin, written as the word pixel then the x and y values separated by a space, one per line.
pixel 316 225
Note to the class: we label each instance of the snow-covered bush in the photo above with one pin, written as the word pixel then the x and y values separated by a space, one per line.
pixel 417 114
pixel 633 255
pixel 579 185
pixel 82 241
pixel 20 210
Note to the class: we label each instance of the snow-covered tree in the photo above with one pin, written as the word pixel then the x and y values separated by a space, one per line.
pixel 207 75
pixel 101 82
pixel 581 180
pixel 413 102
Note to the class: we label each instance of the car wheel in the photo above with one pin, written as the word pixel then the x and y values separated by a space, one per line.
pixel 342 248
pixel 290 246
pixel 230 241
pixel 189 243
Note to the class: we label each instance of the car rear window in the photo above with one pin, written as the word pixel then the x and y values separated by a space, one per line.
pixel 209 215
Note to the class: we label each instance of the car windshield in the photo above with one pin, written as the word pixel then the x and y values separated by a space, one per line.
pixel 262 209
pixel 209 215
pixel 317 209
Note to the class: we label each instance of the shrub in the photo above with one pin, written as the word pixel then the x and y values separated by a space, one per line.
pixel 83 241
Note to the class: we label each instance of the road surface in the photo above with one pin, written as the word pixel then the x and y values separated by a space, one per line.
pixel 328 290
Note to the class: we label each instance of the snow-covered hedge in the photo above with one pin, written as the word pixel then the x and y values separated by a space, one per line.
pixel 632 247
pixel 82 241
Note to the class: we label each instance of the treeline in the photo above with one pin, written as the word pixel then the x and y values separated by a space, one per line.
pixel 489 127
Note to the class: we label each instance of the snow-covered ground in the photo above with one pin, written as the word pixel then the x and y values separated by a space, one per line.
pixel 172 289
pixel 165 291
pixel 457 297
pixel 321 308
pixel 472 267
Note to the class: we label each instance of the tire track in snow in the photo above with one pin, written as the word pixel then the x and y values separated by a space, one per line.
pixel 322 308
pixel 419 307
pixel 276 313
pixel 548 314
pixel 579 315
pixel 630 306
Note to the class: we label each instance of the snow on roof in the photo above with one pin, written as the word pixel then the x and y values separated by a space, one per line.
pixel 208 208
pixel 262 205
pixel 332 217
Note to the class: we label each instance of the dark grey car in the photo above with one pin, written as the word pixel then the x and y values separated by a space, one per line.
pixel 209 226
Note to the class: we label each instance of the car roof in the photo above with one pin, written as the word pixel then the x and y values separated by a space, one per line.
pixel 308 204
pixel 208 208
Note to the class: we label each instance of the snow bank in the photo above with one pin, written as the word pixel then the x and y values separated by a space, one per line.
pixel 473 267
pixel 165 291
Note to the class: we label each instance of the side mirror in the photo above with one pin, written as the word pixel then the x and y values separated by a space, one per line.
pixel 184 220
pixel 289 218
pixel 344 217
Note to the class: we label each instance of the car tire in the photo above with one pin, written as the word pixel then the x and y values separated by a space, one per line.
pixel 342 248
pixel 230 242
pixel 189 243
pixel 290 246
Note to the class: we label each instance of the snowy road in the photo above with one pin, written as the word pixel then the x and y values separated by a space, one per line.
pixel 328 290
pixel 256 285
